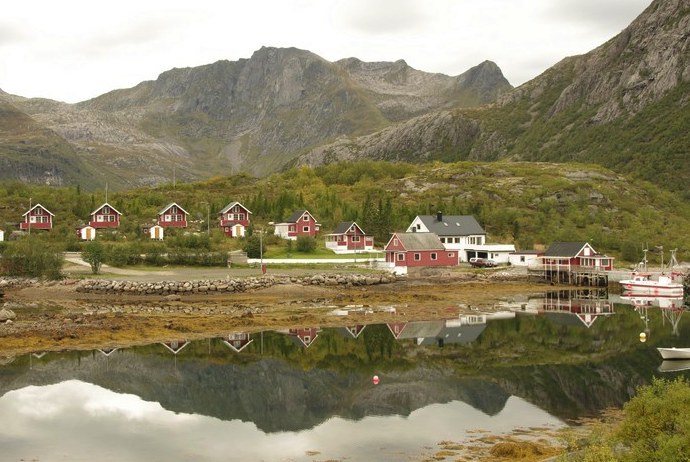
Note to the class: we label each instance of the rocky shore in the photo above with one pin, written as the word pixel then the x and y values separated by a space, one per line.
pixel 228 285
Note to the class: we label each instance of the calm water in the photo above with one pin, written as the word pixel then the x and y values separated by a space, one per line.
pixel 307 393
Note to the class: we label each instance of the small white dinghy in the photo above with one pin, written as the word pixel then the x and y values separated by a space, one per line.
pixel 674 353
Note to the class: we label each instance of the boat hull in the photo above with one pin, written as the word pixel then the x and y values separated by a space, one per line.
pixel 674 353
pixel 636 288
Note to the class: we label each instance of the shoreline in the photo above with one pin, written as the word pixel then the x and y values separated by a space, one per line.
pixel 55 315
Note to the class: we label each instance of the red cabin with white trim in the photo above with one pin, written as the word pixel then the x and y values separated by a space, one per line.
pixel 172 216
pixel 348 237
pixel 105 216
pixel 418 249
pixel 300 223
pixel 234 219
pixel 38 217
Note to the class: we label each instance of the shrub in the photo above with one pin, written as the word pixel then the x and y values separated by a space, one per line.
pixel 31 258
pixel 252 246
pixel 656 426
pixel 94 254
pixel 306 244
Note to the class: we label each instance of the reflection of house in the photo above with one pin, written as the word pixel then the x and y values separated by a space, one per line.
pixel 304 336
pixel 175 346
pixel 2 235
pixel 396 328
pixel 575 307
pixel 234 219
pixel 107 351
pixel 464 329
pixel 405 250
pixel 351 331
pixel 105 216
pixel 348 237
pixel 300 223
pixel 237 341
pixel 172 216
pixel 38 217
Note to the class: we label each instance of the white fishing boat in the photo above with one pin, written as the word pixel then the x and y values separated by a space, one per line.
pixel 642 283
pixel 674 353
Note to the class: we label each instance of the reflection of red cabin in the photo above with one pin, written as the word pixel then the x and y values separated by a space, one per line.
pixel 300 223
pixel 418 249
pixel 38 217
pixel 234 219
pixel 105 216
pixel 172 216
pixel 586 310
pixel 306 336
pixel 238 341
pixel 396 328
pixel 176 346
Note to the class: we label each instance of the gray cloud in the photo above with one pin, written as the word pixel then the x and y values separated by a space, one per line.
pixel 598 14
pixel 383 16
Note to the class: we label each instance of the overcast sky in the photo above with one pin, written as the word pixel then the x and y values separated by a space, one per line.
pixel 73 50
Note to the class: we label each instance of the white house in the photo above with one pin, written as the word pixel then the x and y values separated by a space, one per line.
pixel 461 233
pixel 525 257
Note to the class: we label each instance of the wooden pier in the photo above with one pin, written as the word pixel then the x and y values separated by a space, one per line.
pixel 569 275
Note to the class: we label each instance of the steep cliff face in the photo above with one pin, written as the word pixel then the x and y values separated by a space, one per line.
pixel 30 152
pixel 623 105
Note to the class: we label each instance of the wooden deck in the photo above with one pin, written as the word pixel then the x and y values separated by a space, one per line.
pixel 569 274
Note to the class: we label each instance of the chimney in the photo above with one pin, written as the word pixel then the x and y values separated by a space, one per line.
pixel 439 216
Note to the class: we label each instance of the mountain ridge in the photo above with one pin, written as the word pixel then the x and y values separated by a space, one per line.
pixel 622 105
pixel 252 115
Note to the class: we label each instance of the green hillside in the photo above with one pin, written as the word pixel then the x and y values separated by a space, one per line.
pixel 529 204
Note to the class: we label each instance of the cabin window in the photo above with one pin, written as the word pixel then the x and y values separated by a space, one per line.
pixel 451 254
pixel 417 256
pixel 355 238
pixel 443 240
pixel 401 256
pixel 419 226
pixel 305 229
pixel 433 256
pixel 395 241
pixel 304 217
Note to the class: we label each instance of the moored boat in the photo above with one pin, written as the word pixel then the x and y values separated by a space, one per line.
pixel 641 283
pixel 674 353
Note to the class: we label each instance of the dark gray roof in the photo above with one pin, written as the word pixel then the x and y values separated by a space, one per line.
pixel 345 226
pixel 456 334
pixel 452 225
pixel 420 241
pixel 564 249
pixel 297 215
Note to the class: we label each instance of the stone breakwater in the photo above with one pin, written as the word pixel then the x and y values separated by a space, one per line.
pixel 181 288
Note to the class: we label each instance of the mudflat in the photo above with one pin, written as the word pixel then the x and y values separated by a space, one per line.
pixel 55 316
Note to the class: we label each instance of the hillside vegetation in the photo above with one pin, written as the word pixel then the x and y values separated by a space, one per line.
pixel 529 204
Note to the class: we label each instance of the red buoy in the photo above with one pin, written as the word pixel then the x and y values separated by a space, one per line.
pixel 375 380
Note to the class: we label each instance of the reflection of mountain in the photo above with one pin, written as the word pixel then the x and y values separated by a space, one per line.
pixel 272 393
pixel 281 385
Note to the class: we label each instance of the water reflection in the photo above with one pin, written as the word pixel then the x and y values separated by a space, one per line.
pixel 280 394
